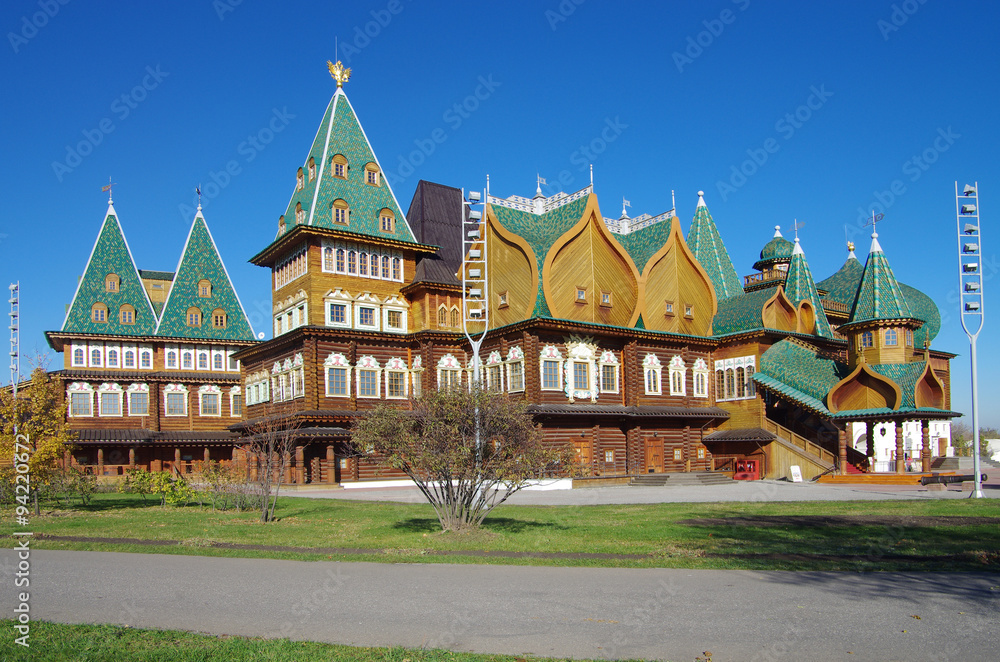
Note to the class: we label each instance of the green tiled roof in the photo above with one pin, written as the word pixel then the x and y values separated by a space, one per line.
pixel 778 249
pixel 923 308
pixel 110 255
pixel 799 286
pixel 706 244
pixel 879 296
pixel 341 133
pixel 201 260
pixel 643 244
pixel 541 232
pixel 843 285
pixel 904 374
pixel 741 312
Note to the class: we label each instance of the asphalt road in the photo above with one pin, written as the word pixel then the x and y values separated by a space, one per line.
pixel 578 612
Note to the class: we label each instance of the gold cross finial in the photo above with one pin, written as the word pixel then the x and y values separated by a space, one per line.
pixel 340 73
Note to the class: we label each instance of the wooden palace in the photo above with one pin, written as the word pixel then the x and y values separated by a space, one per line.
pixel 637 344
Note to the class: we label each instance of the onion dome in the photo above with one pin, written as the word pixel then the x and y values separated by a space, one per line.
pixel 775 251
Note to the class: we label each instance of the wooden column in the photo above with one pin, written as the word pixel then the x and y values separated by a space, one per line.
pixel 131 457
pixel 100 461
pixel 207 455
pixel 870 439
pixel 900 460
pixel 331 465
pixel 925 450
pixel 842 447
pixel 177 458
pixel 300 465
pixel 288 467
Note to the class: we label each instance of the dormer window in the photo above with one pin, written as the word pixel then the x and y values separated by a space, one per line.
pixel 300 214
pixel 581 295
pixel 204 288
pixel 372 174
pixel 606 299
pixel 193 317
pixel 339 169
pixel 668 308
pixel 111 283
pixel 99 313
pixel 312 168
pixel 300 180
pixel 340 212
pixel 127 314
pixel 387 221
pixel 219 318
pixel 688 310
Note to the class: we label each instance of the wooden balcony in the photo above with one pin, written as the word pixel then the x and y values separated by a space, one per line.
pixel 768 276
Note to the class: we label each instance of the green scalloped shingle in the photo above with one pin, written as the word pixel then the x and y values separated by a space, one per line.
pixel 341 133
pixel 879 296
pixel 705 242
pixel 799 286
pixel 541 232
pixel 843 285
pixel 800 368
pixel 201 260
pixel 778 249
pixel 904 374
pixel 110 255
pixel 741 312
pixel 643 244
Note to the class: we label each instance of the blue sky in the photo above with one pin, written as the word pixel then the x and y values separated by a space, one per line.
pixel 816 111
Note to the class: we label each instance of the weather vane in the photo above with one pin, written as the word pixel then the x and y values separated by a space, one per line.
pixel 197 190
pixel 107 189
pixel 340 73
pixel 796 225
pixel 875 220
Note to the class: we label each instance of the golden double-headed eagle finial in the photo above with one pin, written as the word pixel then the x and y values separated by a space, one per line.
pixel 340 73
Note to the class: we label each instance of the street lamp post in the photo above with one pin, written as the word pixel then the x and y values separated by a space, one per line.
pixel 970 287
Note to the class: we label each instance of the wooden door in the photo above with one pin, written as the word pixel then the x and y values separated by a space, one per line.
pixel 584 453
pixel 654 455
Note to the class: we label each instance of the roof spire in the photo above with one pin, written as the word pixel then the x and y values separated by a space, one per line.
pixel 591 175
pixel 701 199
pixel 777 231
pixel 108 189
pixel 197 189
pixel 625 203
pixel 538 189
pixel 673 200
pixel 850 250
pixel 339 73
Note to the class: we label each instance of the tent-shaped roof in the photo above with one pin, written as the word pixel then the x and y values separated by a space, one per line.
pixel 201 261
pixel 799 286
pixel 708 249
pixel 340 135
pixel 110 255
pixel 879 296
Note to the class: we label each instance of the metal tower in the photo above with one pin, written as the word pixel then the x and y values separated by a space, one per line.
pixel 970 287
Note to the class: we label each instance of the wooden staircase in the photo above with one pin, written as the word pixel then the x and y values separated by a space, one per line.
pixel 681 479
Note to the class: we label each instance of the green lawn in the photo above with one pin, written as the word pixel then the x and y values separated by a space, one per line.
pixel 864 535
pixel 53 642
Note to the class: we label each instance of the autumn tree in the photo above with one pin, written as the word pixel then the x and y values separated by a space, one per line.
pixel 39 410
pixel 467 451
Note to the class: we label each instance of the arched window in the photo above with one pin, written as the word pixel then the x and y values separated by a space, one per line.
pixel 312 168
pixel 890 337
pixel 204 288
pixel 126 314
pixel 99 313
pixel 442 316
pixel 397 269
pixel 909 337
pixel 202 361
pixel 327 258
pixel 78 356
pixel 112 358
pixel 741 382
pixel 95 357
pixel 300 214
pixel 219 318
pixel 730 383
pixel 129 359
pixel 341 212
pixel 372 174
pixel 751 391
pixel 720 385
pixel 387 221
pixel 352 262
pixel 340 260
pixel 217 362
pixel 866 339
pixel 112 283
pixel 385 267
pixel 339 168
pixel 300 181
pixel 456 321
pixel 193 317
pixel 363 264
pixel 187 361
pixel 146 359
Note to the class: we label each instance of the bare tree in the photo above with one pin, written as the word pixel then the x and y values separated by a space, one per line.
pixel 467 451
pixel 268 446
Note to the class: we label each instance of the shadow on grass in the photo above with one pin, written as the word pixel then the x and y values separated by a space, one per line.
pixel 494 524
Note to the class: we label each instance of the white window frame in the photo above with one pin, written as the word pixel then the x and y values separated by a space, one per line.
pixel 339 297
pixel 135 357
pixel 366 364
pixel 109 389
pixel 171 351
pixel 416 376
pixel 515 357
pixel 210 390
pixel 449 365
pixel 235 392
pixel 174 389
pixel 494 364
pixel 232 365
pixel 652 375
pixel 749 365
pixel 80 388
pixel 72 357
pixel 396 304
pixel 133 390
pixel 677 374
pixel 550 353
pixel 396 366
pixel 608 360
pixel 219 354
pixel 99 363
pixel 700 380
pixel 338 361
pixel 203 354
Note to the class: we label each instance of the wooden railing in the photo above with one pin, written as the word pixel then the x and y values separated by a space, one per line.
pixel 764 277
pixel 836 306
pixel 798 440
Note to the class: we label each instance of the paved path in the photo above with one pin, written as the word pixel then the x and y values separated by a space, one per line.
pixel 755 491
pixel 579 612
